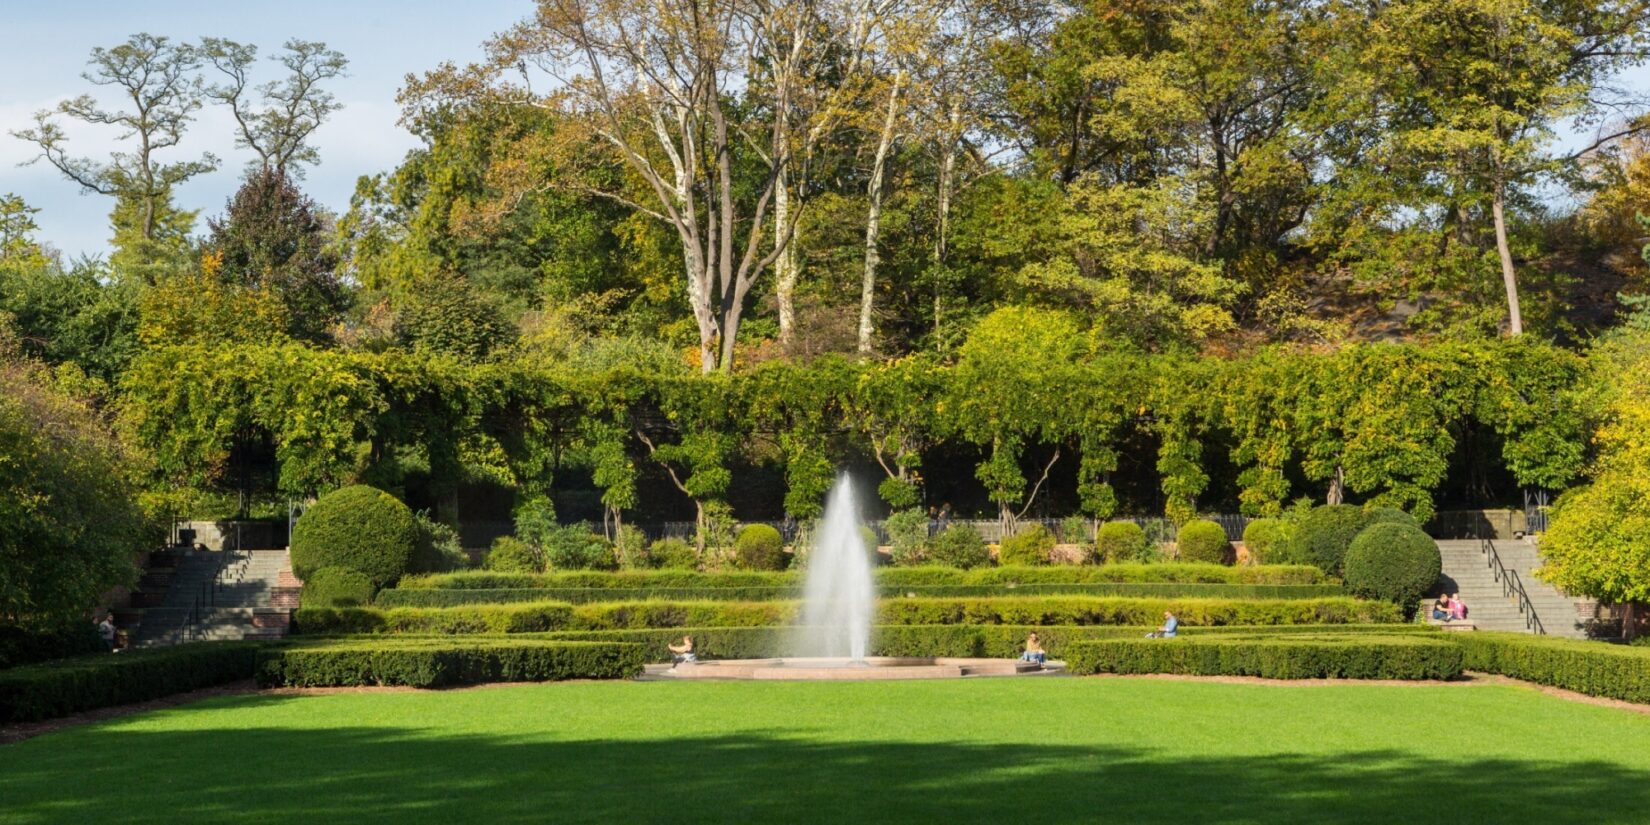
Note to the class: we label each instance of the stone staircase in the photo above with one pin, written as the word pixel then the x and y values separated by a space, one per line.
pixel 1467 571
pixel 245 594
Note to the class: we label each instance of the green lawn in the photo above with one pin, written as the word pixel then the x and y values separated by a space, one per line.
pixel 1052 750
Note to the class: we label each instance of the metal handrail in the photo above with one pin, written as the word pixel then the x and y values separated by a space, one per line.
pixel 1512 584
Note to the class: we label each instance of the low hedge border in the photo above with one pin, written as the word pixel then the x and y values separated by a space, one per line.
pixel 51 689
pixel 1593 668
pixel 889 577
pixel 1029 611
pixel 443 662
pixel 441 597
pixel 1367 656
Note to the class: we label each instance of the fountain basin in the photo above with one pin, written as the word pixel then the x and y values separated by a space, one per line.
pixel 842 669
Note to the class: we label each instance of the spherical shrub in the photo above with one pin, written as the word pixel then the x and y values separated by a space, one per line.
pixel 574 547
pixel 1326 533
pixel 1391 515
pixel 512 555
pixel 1201 540
pixel 1122 541
pixel 1031 545
pixel 959 545
pixel 337 587
pixel 760 547
pixel 907 536
pixel 357 528
pixel 1393 562
pixel 674 554
pixel 1262 536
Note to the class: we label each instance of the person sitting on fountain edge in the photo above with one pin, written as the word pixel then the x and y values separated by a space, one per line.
pixel 1167 631
pixel 1034 651
pixel 683 652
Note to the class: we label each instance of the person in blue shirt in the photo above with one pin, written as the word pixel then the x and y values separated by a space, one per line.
pixel 1167 631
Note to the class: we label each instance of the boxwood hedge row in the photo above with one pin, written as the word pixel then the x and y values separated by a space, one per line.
pixel 444 597
pixel 891 577
pixel 442 662
pixel 1593 668
pixel 59 688
pixel 1368 656
pixel 1033 610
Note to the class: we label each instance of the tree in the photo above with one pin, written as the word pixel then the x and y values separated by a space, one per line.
pixel 157 77
pixel 70 527
pixel 271 238
pixel 292 110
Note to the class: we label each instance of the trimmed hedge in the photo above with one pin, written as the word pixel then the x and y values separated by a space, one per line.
pixel 1366 656
pixel 1594 668
pixel 1327 532
pixel 451 598
pixel 515 618
pixel 890 577
pixel 1205 542
pixel 1031 547
pixel 337 587
pixel 1121 541
pixel 1034 610
pixel 22 646
pixel 1392 561
pixel 430 663
pixel 52 689
pixel 760 547
pixel 357 528
pixel 994 641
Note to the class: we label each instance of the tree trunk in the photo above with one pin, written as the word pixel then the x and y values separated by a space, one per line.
pixel 873 220
pixel 1337 487
pixel 784 267
pixel 1508 275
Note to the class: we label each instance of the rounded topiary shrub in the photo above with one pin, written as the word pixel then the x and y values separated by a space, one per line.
pixel 512 555
pixel 1032 545
pixel 357 528
pixel 1390 515
pixel 1120 541
pixel 574 547
pixel 760 547
pixel 959 545
pixel 1202 540
pixel 1262 536
pixel 1326 532
pixel 673 554
pixel 1393 562
pixel 337 587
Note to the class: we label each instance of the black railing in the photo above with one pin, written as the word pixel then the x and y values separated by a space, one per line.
pixel 1512 586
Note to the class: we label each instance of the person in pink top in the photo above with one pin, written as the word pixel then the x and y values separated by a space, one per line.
pixel 1457 608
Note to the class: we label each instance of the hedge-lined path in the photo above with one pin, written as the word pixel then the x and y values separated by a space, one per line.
pixel 1102 749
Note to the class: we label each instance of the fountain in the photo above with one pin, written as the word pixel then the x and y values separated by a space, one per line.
pixel 838 604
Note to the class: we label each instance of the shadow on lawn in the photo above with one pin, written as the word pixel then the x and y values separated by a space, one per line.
pixel 372 774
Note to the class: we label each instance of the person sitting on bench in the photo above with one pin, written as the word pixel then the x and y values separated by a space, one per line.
pixel 683 652
pixel 1441 608
pixel 1169 628
pixel 1034 651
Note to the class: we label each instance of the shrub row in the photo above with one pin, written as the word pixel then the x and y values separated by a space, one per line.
pixel 1368 656
pixel 468 619
pixel 993 641
pixel 59 688
pixel 1034 610
pixel 452 597
pixel 429 663
pixel 22 646
pixel 1593 668
pixel 886 577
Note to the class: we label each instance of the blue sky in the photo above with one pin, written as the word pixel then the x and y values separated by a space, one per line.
pixel 43 50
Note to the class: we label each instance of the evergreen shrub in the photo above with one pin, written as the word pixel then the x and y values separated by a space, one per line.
pixel 512 555
pixel 760 547
pixel 1326 533
pixel 674 555
pixel 1392 561
pixel 1122 541
pixel 1031 546
pixel 959 546
pixel 1203 541
pixel 357 528
pixel 907 536
pixel 337 587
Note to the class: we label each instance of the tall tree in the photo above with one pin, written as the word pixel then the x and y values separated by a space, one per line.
pixel 272 237
pixel 156 77
pixel 279 130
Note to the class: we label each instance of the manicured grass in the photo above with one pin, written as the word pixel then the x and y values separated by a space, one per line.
pixel 1030 750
